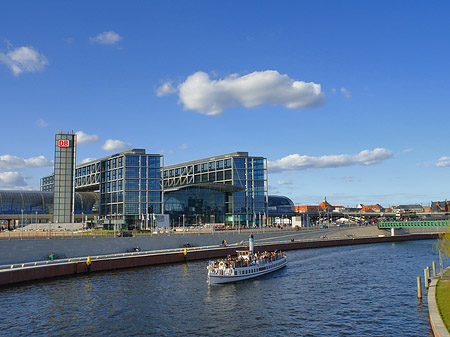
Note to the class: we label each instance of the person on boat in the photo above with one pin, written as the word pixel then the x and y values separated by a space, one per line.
pixel 138 249
pixel 224 243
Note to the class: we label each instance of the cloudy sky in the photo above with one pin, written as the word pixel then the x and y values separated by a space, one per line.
pixel 346 99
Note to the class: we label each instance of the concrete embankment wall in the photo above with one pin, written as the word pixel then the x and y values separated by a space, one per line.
pixel 29 273
pixel 21 251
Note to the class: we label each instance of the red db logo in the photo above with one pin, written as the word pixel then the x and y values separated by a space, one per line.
pixel 63 142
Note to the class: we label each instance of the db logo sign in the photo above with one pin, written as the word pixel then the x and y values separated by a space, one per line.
pixel 63 142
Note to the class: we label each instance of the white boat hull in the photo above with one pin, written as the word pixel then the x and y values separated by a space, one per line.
pixel 245 273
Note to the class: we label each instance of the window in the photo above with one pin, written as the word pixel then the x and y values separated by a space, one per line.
pixel 239 163
pixel 258 174
pixel 131 184
pixel 228 163
pixel 132 172
pixel 131 161
pixel 154 197
pixel 132 197
pixel 239 174
pixel 153 184
pixel 258 163
pixel 143 161
pixel 227 174
pixel 131 208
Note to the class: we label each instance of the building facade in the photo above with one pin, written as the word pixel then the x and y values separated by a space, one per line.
pixel 229 189
pixel 133 187
pixel 128 183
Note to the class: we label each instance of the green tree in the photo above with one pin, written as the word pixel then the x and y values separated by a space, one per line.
pixel 444 242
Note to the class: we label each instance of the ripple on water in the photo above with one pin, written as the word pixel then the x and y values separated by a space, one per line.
pixel 342 291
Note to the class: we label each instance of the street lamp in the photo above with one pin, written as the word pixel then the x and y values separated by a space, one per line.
pixel 21 227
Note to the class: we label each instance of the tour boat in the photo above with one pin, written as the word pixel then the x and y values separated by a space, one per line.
pixel 245 266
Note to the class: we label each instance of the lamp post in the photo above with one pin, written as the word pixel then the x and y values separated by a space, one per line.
pixel 35 233
pixel 21 227
pixel 114 224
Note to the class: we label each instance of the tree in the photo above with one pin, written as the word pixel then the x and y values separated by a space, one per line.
pixel 444 242
pixel 443 246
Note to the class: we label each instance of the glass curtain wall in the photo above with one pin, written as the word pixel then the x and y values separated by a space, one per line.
pixel 250 206
pixel 195 206
pixel 142 190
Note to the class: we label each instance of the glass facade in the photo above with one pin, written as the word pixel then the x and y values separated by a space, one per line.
pixel 195 205
pixel 132 185
pixel 32 202
pixel 129 185
pixel 245 201
pixel 64 189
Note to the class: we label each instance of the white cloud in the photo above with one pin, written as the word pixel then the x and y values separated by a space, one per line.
pixel 345 93
pixel 166 89
pixel 212 97
pixel 167 152
pixel 12 180
pixel 408 150
pixel 297 162
pixel 109 37
pixel 41 123
pixel 8 162
pixel 84 138
pixel 87 160
pixel 23 59
pixel 285 182
pixel 443 162
pixel 184 147
pixel 114 145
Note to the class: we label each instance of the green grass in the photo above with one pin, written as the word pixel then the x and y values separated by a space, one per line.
pixel 443 299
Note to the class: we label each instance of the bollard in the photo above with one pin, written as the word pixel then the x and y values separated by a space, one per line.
pixel 426 278
pixel 419 288
pixel 434 268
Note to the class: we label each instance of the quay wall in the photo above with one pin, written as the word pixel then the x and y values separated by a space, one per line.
pixel 55 269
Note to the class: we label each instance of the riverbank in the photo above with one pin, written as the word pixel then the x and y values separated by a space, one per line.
pixel 439 305
pixel 37 270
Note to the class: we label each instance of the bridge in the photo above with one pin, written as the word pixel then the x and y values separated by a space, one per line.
pixel 414 223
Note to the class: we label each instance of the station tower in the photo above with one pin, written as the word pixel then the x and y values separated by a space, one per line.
pixel 64 170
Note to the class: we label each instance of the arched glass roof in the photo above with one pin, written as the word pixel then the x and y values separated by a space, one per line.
pixel 31 202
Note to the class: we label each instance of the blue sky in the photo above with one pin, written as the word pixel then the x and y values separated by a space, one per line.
pixel 346 99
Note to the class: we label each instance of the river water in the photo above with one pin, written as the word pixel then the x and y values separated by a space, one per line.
pixel 366 290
